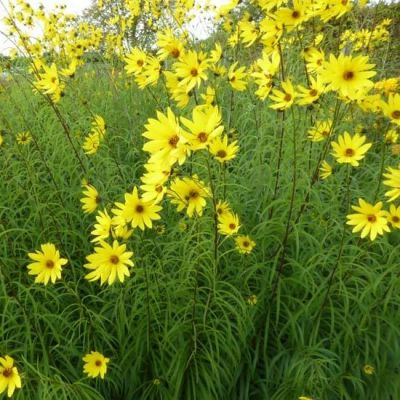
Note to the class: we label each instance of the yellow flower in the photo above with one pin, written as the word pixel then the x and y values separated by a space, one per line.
pixel 190 194
pixel 150 73
pixel 236 77
pixel 49 83
pixel 24 138
pixel 311 94
pixel 252 300
pixel 191 69
pixel 370 219
pixel 169 45
pixel 48 264
pixel 9 376
pixel 102 229
pixel 109 263
pixel 222 207
pixel 314 59
pixel 394 216
pixel 209 96
pixel 368 369
pixel 350 149
pixel 95 364
pixel 135 61
pixel 216 54
pixel 91 199
pixel 348 75
pixel 92 143
pixel 387 85
pixel 283 99
pixel 99 126
pixel 244 244
pixel 70 71
pixel 392 180
pixel 391 136
pixel 138 212
pixel 228 224
pixel 292 17
pixel 119 229
pixel 396 149
pixel 223 151
pixel 178 93
pixel 167 143
pixel 321 130
pixel 325 170
pixel 204 126
pixel 391 109
pixel 249 32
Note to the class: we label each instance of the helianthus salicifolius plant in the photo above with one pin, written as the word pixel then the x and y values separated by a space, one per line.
pixel 394 216
pixel 167 142
pixel 244 244
pixel 391 108
pixel 349 76
pixel 228 223
pixel 91 199
pixel 47 265
pixel 189 193
pixel 109 263
pixel 95 364
pixel 350 149
pixel 9 376
pixel 369 219
pixel 136 211
pixel 392 180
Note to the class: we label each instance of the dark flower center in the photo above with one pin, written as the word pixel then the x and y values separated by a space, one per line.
pixel 98 363
pixel 246 243
pixel 194 72
pixel 193 194
pixel 395 219
pixel 175 53
pixel 7 372
pixel 349 152
pixel 140 63
pixel 114 259
pixel 348 75
pixel 232 226
pixel 221 154
pixel 313 92
pixel 202 136
pixel 371 218
pixel 174 141
pixel 295 14
pixel 396 114
pixel 50 264
pixel 287 97
pixel 139 208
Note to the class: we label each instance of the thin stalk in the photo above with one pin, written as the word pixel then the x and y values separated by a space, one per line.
pixel 281 264
pixel 341 245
